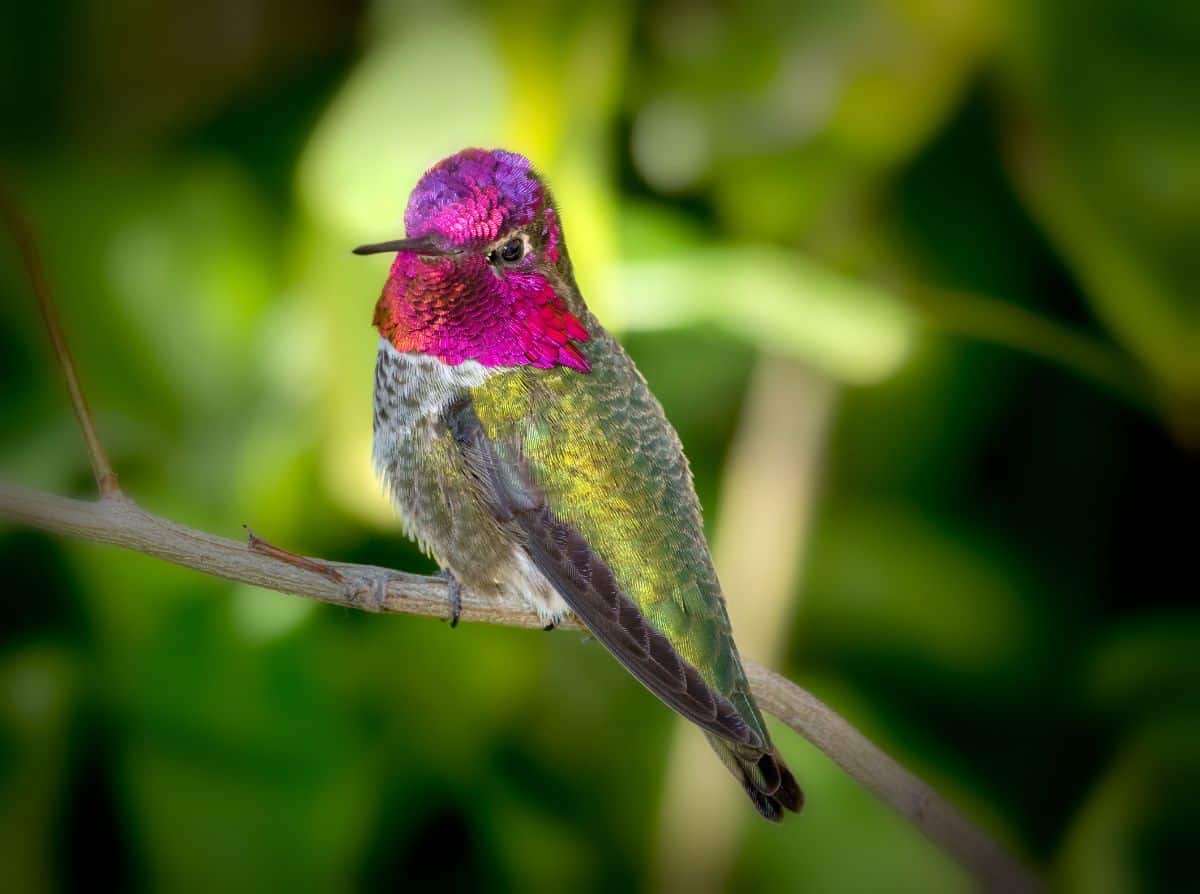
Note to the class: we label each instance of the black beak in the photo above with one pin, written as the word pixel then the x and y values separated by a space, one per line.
pixel 423 246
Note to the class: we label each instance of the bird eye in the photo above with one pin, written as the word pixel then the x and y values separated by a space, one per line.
pixel 512 250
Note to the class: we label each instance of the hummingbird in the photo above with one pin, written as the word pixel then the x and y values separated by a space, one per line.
pixel 526 454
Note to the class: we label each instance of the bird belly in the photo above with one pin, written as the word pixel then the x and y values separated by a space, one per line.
pixel 526 580
pixel 423 473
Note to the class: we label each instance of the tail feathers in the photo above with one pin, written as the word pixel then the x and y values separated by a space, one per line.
pixel 765 777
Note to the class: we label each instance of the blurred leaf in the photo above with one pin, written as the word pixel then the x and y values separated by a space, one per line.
pixel 262 615
pixel 1003 323
pixel 394 118
pixel 1107 156
pixel 777 300
pixel 562 861
pixel 171 263
pixel 910 63
pixel 37 695
pixel 888 580
pixel 1136 832
pixel 1145 665
pixel 814 101
pixel 240 765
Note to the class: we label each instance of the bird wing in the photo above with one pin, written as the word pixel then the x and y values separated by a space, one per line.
pixel 591 480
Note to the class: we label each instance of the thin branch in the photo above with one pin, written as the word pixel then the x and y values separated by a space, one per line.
pixel 121 522
pixel 22 233
pixel 115 519
pixel 895 786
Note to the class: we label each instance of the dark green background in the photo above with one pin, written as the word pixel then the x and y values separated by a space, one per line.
pixel 972 227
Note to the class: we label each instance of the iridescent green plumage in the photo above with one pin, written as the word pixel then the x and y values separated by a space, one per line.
pixel 527 454
pixel 611 466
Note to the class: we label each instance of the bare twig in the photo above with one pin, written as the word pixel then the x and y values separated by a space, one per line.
pixel 117 520
pixel 121 522
pixel 324 569
pixel 22 232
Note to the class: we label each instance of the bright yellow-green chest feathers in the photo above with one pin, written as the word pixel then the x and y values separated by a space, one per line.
pixel 601 449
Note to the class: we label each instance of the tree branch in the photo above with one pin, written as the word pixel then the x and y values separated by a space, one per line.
pixel 117 520
pixel 121 522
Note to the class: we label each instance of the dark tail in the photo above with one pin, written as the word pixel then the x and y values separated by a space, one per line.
pixel 764 776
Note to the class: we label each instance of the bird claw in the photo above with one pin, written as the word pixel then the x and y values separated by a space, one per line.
pixel 453 595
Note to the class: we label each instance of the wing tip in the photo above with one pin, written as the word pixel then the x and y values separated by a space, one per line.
pixel 768 782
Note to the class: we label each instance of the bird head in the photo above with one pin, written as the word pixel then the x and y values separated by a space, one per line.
pixel 482 273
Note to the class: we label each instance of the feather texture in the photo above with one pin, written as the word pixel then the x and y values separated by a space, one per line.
pixel 525 451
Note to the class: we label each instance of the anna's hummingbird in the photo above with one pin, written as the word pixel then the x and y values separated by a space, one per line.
pixel 526 453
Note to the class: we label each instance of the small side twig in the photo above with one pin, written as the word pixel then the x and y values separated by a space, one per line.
pixel 22 232
pixel 258 545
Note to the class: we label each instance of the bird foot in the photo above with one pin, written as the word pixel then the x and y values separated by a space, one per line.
pixel 453 594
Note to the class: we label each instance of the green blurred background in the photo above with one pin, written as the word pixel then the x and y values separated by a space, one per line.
pixel 916 282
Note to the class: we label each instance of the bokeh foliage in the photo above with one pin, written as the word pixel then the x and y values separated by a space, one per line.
pixel 976 219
